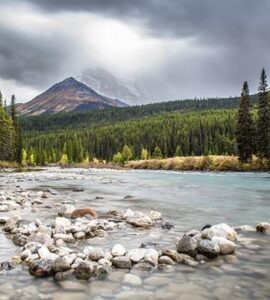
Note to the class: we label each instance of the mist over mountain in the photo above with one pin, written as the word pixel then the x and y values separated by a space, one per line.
pixel 108 85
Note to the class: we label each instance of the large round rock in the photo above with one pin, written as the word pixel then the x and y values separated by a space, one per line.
pixel 84 270
pixel 208 248
pixel 121 262
pixel 220 230
pixel 226 247
pixel 188 245
pixel 60 265
pixel 41 268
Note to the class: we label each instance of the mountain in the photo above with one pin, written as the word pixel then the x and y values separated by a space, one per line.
pixel 106 84
pixel 67 95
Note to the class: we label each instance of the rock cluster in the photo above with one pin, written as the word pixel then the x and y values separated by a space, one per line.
pixel 139 219
pixel 44 245
pixel 210 242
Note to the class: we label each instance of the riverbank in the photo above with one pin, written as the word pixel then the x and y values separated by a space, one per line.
pixel 210 163
pixel 201 163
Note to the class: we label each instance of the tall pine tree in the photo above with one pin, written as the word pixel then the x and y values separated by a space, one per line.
pixel 263 125
pixel 1 100
pixel 18 138
pixel 244 131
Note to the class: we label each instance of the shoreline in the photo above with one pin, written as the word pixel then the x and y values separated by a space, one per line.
pixel 210 163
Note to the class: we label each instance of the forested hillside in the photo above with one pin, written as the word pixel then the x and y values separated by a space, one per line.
pixel 99 117
pixel 189 133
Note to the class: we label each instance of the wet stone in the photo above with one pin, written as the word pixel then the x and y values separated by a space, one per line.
pixel 41 268
pixel 121 262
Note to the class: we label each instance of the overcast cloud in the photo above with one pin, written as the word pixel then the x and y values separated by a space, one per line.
pixel 174 48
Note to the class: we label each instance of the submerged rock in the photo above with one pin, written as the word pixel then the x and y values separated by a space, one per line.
pixel 167 225
pixel 244 228
pixel 60 276
pixel 143 266
pixel 132 280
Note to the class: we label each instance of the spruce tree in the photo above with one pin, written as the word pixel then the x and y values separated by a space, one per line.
pixel 18 138
pixel 5 105
pixel 244 131
pixel 7 136
pixel 1 100
pixel 263 125
pixel 157 153
pixel 126 153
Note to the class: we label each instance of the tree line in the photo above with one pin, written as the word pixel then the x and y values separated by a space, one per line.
pixel 94 118
pixel 163 135
pixel 10 132
pixel 253 137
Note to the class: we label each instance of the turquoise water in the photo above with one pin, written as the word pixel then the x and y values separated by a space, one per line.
pixel 189 200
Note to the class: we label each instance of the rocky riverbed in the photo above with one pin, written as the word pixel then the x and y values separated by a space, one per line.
pixel 75 248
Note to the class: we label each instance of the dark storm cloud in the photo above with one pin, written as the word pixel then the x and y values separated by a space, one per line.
pixel 26 57
pixel 207 19
pixel 236 32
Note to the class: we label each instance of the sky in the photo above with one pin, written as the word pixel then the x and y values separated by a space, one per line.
pixel 174 49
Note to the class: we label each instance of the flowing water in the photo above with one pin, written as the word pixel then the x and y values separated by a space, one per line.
pixel 189 200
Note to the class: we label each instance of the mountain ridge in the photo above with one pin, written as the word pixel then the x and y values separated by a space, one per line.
pixel 66 96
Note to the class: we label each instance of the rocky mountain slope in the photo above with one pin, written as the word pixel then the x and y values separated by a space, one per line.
pixel 67 95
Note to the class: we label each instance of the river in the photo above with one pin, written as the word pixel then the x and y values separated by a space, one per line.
pixel 189 200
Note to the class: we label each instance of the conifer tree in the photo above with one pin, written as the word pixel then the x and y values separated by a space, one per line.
pixel 7 136
pixel 144 154
pixel 18 138
pixel 1 100
pixel 244 131
pixel 126 153
pixel 157 153
pixel 5 105
pixel 178 151
pixel 263 125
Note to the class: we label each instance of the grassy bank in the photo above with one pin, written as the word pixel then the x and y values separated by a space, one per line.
pixel 190 163
pixel 200 163
pixel 8 164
